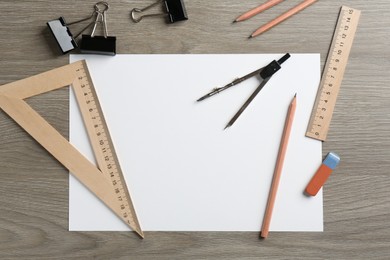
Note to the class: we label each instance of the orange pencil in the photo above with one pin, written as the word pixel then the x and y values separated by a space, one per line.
pixel 283 17
pixel 278 167
pixel 257 10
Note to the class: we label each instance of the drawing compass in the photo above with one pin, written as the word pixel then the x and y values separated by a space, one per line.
pixel 265 74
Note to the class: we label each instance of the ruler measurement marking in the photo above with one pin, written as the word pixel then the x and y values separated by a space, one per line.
pixel 96 179
pixel 109 159
pixel 333 73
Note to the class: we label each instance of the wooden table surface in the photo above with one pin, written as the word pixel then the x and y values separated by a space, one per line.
pixel 34 186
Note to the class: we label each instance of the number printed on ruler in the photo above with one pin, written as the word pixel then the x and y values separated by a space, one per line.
pixel 333 73
pixel 108 162
pixel 105 179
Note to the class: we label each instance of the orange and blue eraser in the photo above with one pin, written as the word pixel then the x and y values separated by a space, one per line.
pixel 322 174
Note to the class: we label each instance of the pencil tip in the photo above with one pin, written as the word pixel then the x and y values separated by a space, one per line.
pixel 227 126
pixel 250 36
pixel 295 95
pixel 238 19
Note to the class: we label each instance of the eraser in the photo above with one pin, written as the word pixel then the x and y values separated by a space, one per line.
pixel 322 174
pixel 331 160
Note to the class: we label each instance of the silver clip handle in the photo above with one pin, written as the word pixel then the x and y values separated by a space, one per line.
pixel 138 12
pixel 100 17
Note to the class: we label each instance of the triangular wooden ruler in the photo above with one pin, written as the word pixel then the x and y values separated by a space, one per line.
pixel 106 180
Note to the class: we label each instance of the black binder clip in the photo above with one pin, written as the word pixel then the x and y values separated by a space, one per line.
pixel 174 10
pixel 89 43
pixel 62 34
pixel 99 44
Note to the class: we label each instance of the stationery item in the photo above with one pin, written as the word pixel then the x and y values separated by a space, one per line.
pixel 174 10
pixel 279 167
pixel 265 74
pixel 185 174
pixel 333 73
pixel 283 17
pixel 257 10
pixel 105 180
pixel 60 30
pixel 105 44
pixel 322 174
pixel 89 43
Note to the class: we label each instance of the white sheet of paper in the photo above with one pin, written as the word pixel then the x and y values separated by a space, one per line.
pixel 184 172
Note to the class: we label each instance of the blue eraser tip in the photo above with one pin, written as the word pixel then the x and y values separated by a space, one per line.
pixel 332 160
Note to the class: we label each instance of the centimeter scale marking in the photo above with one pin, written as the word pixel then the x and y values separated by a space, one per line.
pixel 102 145
pixel 333 73
pixel 106 179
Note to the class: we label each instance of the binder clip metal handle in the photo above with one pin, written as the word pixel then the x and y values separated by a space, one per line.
pixel 100 18
pixel 66 40
pixel 105 44
pixel 99 14
pixel 140 11
pixel 175 10
pixel 64 37
pixel 82 20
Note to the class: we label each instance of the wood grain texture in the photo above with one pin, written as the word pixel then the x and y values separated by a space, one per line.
pixel 34 186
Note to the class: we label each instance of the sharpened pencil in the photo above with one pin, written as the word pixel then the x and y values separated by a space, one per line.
pixel 278 168
pixel 257 10
pixel 282 17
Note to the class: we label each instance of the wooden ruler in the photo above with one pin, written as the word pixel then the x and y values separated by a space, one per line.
pixel 105 180
pixel 333 73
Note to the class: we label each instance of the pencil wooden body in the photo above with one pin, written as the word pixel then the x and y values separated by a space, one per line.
pixel 278 168
pixel 283 17
pixel 258 10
